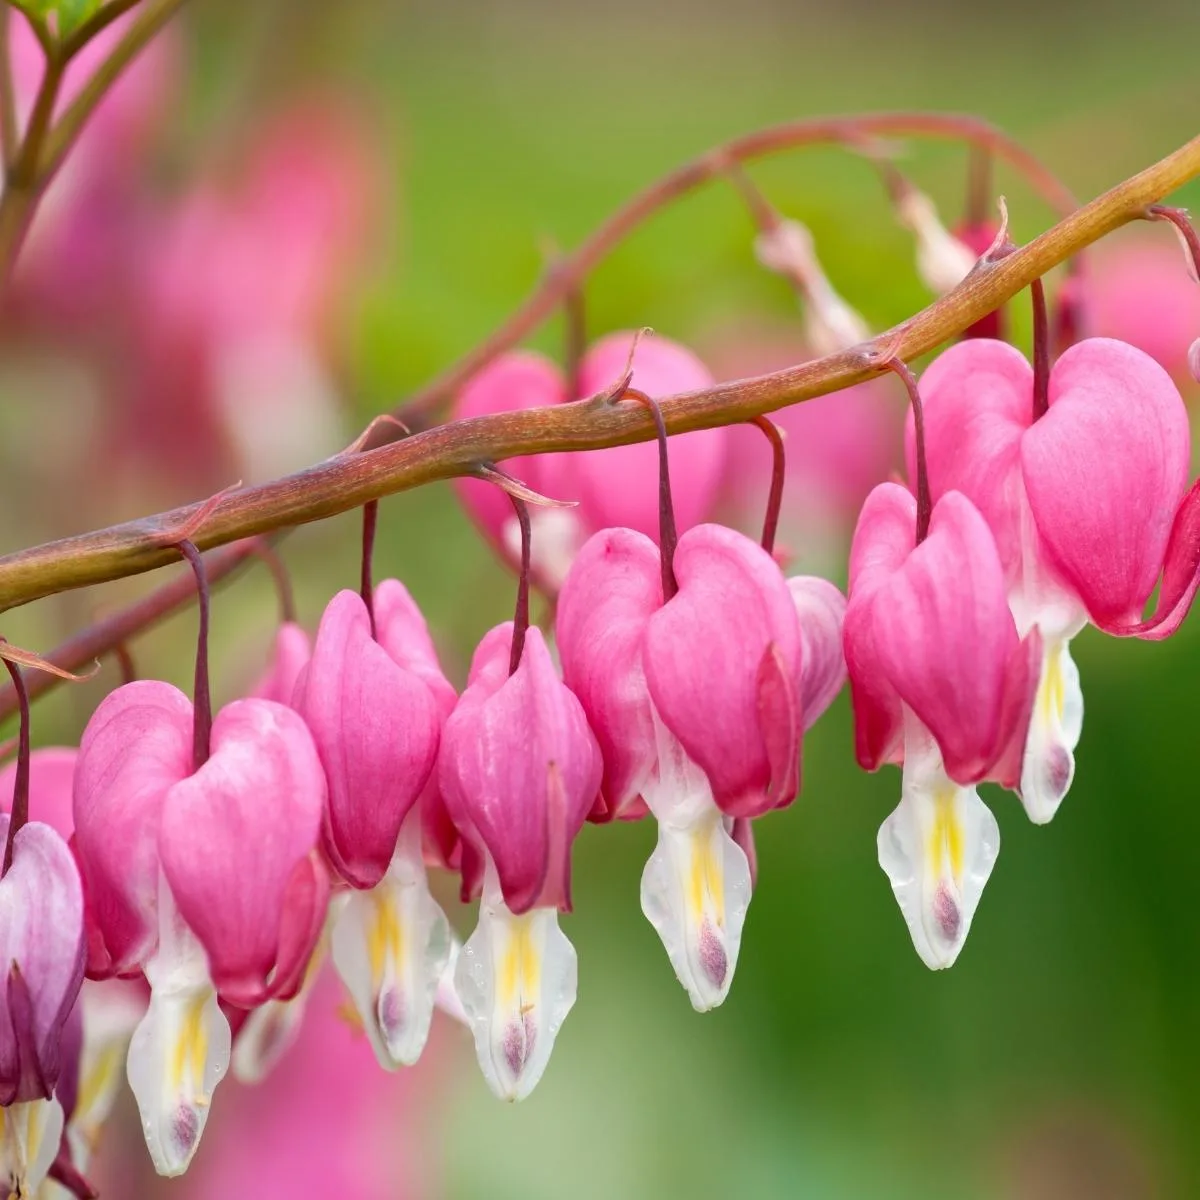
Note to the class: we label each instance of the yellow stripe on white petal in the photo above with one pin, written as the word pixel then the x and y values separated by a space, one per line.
pixel 937 849
pixel 696 886
pixel 29 1138
pixel 517 978
pixel 390 946
pixel 180 1049
pixel 695 892
pixel 1054 728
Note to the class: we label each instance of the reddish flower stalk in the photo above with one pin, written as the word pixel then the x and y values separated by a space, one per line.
pixel 778 473
pixel 367 589
pixel 924 503
pixel 125 662
pixel 20 803
pixel 521 616
pixel 668 536
pixel 201 693
pixel 1184 227
pixel 1041 349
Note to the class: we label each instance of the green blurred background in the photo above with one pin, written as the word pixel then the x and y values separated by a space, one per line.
pixel 1060 1056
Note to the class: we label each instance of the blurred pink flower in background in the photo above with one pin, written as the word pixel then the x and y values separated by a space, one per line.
pixel 1139 291
pixel 838 447
pixel 237 291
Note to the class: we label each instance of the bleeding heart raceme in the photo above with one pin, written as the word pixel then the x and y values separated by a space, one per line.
pixel 942 684
pixel 1088 505
pixel 375 700
pixel 698 703
pixel 614 487
pixel 205 877
pixel 519 769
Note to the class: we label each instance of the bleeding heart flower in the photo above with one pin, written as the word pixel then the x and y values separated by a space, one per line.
pixel 698 704
pixel 519 769
pixel 375 703
pixel 205 877
pixel 106 1012
pixel 614 487
pixel 1087 506
pixel 42 947
pixel 942 684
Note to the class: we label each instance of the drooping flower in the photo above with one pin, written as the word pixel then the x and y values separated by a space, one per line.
pixel 203 876
pixel 698 703
pixel 1087 506
pixel 615 486
pixel 941 684
pixel 375 703
pixel 519 769
pixel 106 1012
pixel 42 947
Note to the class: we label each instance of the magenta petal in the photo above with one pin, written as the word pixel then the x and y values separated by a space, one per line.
pixel 703 654
pixel 42 949
pixel 618 487
pixel 945 636
pixel 603 610
pixel 883 539
pixel 1020 694
pixel 402 632
pixel 1180 580
pixel 137 746
pixel 305 904
pixel 1105 470
pixel 519 769
pixel 51 788
pixel 978 398
pixel 232 835
pixel 821 608
pixel 743 834
pixel 376 728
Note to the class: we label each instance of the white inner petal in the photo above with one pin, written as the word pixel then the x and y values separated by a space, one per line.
pixel 390 945
pixel 696 886
pixel 271 1029
pixel 1054 728
pixel 29 1139
pixel 180 1049
pixel 517 978
pixel 937 849
pixel 111 1012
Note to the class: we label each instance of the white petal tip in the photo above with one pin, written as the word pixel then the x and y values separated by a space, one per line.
pixel 517 980
pixel 390 946
pixel 695 892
